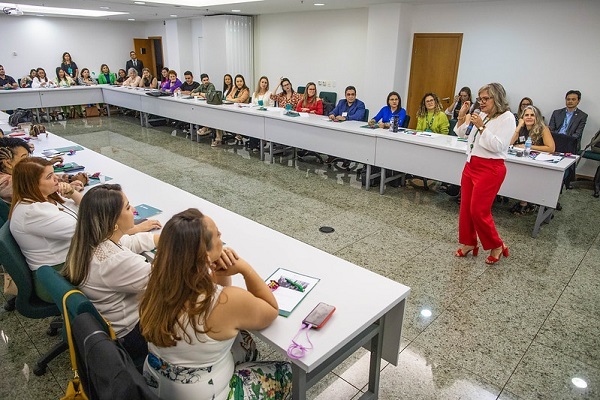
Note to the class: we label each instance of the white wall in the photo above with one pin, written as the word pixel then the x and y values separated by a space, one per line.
pixel 40 42
pixel 535 49
pixel 312 46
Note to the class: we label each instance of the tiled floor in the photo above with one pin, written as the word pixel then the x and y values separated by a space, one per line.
pixel 523 329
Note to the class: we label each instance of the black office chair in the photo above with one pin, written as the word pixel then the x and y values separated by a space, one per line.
pixel 301 89
pixel 406 121
pixel 4 210
pixel 451 127
pixel 567 144
pixel 27 303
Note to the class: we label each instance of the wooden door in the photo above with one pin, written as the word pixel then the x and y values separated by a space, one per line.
pixel 433 68
pixel 145 52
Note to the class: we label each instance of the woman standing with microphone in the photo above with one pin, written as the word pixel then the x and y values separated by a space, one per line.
pixel 489 134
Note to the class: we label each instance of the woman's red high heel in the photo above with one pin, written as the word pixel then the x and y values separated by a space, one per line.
pixel 459 252
pixel 493 260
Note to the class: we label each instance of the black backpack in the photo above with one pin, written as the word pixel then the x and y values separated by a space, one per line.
pixel 20 115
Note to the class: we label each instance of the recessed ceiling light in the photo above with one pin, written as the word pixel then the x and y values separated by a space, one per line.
pixel 130 19
pixel 105 8
pixel 173 15
pixel 236 10
pixel 39 15
pixel 139 2
pixel 319 4
pixel 27 8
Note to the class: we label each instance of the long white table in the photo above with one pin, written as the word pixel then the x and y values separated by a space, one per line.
pixel 439 157
pixel 375 323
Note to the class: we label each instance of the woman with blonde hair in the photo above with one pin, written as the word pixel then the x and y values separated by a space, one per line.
pixel 104 261
pixel 193 319
pixel 431 116
pixel 484 171
pixel 148 81
pixel 310 102
pixel 262 93
pixel 531 125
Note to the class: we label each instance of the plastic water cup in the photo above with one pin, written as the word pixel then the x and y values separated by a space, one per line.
pixel 260 103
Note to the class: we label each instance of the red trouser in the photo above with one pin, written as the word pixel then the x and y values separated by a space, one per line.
pixel 481 180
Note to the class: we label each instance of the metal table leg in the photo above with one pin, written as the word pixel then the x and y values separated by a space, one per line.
pixel 368 181
pixel 299 385
pixel 382 182
pixel 544 215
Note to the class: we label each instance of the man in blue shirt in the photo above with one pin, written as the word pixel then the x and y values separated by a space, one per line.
pixel 569 120
pixel 349 109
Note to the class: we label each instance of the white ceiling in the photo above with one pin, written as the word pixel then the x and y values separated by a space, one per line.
pixel 150 11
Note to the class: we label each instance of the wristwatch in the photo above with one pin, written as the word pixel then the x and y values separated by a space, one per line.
pixel 481 128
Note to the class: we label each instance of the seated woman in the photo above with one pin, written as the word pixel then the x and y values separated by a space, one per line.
pixel 106 77
pixel 262 93
pixel 41 80
pixel 41 221
pixel 122 77
pixel 104 262
pixel 148 81
pixel 393 109
pixel 193 319
pixel 531 125
pixel 133 79
pixel 525 101
pixel 64 80
pixel 164 77
pixel 12 150
pixel 173 83
pixel 430 117
pixel 86 79
pixel 27 80
pixel 310 102
pixel 287 96
pixel 240 93
pixel 227 85
pixel 463 95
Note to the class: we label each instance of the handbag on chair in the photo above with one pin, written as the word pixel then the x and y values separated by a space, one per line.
pixel 215 98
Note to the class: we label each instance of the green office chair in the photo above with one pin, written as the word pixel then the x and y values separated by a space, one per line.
pixel 28 304
pixel 129 383
pixel 4 210
pixel 366 116
pixel 330 97
pixel 451 128
pixel 406 121
pixel 301 89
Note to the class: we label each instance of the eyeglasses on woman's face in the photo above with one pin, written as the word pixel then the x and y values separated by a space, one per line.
pixel 483 99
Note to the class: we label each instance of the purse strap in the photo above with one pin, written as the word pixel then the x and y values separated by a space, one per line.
pixel 111 331
pixel 68 327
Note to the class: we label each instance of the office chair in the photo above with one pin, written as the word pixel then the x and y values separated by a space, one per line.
pixel 106 370
pixel 330 97
pixel 4 210
pixel 301 89
pixel 27 303
pixel 451 127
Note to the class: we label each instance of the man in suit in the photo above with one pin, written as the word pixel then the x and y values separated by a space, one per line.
pixel 134 63
pixel 569 120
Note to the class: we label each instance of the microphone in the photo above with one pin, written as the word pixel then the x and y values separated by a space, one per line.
pixel 470 127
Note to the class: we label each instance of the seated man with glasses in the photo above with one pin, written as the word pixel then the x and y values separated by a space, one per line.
pixel 569 120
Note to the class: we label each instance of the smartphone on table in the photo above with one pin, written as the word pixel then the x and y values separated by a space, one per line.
pixel 319 315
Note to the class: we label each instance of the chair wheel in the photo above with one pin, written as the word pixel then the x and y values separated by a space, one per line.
pixel 39 370
pixel 52 331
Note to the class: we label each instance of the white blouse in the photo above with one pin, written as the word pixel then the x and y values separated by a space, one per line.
pixel 266 98
pixel 43 231
pixel 117 275
pixel 37 83
pixel 493 142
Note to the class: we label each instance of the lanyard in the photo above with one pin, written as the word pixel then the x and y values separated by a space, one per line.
pixel 429 125
pixel 485 121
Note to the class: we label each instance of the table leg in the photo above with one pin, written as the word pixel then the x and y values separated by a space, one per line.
pixel 544 215
pixel 142 118
pixel 271 151
pixel 375 364
pixel 37 116
pixel 299 386
pixel 382 182
pixel 368 176
pixel 108 109
pixel 262 150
